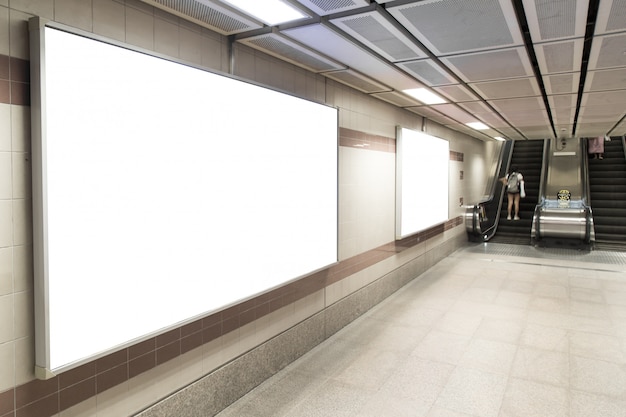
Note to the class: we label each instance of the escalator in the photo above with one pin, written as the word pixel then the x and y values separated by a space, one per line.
pixel 607 184
pixel 528 158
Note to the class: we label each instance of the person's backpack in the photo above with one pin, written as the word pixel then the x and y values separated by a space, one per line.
pixel 512 183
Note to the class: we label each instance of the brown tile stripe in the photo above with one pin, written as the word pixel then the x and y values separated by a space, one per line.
pixel 356 139
pixel 14 81
pixel 456 156
pixel 46 398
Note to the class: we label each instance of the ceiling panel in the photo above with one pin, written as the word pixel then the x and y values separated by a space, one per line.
pixel 592 129
pixel 521 104
pixel 325 7
pixel 398 99
pixel 491 65
pixel 456 93
pixel 323 39
pixel 282 47
pixel 564 56
pixel 455 112
pixel 608 52
pixel 428 72
pixel 561 83
pixel 519 87
pixel 472 53
pixel 448 27
pixel 606 80
pixel 432 115
pixel 617 99
pixel 611 17
pixel 563 108
pixel 380 35
pixel 552 19
pixel 357 80
pixel 209 13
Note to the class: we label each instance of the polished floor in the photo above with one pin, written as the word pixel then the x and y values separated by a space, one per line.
pixel 494 330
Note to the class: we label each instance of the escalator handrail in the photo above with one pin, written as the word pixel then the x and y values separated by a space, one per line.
pixel 586 194
pixel 476 212
pixel 541 197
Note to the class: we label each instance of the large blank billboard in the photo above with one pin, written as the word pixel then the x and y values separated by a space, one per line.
pixel 422 170
pixel 163 193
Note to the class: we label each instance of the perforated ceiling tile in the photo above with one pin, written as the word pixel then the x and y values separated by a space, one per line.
pixel 562 83
pixel 325 7
pixel 563 115
pixel 564 56
pixel 606 80
pixel 552 19
pixel 379 34
pixel 452 26
pixel 519 87
pixel 527 118
pixel 520 104
pixel 565 101
pixel 536 131
pixel 492 65
pixel 492 119
pixel 454 112
pixel 611 16
pixel 475 107
pixel 428 72
pixel 608 52
pixel 456 93
pixel 594 114
pixel 612 98
pixel 593 129
pixel 209 14
pixel 281 47
pixel 327 40
pixel 426 111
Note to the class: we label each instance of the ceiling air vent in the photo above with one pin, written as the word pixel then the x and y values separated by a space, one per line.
pixel 325 7
pixel 279 46
pixel 207 13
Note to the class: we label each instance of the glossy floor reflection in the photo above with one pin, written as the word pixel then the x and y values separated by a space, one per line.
pixel 491 331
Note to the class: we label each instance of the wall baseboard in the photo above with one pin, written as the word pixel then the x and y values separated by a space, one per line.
pixel 219 389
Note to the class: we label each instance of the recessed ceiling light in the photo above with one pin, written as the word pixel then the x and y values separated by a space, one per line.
pixel 272 12
pixel 500 138
pixel 425 96
pixel 478 125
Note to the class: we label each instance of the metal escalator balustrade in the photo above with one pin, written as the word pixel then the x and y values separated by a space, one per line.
pixel 564 218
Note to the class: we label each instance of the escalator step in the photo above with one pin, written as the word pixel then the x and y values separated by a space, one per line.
pixel 608 204
pixel 600 197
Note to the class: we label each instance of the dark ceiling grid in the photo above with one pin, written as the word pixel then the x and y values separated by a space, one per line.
pixel 528 69
pixel 404 65
pixel 530 50
pixel 592 15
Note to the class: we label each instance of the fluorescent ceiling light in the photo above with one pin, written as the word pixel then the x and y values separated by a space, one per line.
pixel 500 138
pixel 478 125
pixel 272 12
pixel 425 96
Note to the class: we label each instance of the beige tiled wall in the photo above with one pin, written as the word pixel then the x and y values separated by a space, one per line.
pixel 366 188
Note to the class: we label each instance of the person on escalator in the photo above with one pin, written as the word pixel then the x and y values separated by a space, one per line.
pixel 514 182
pixel 596 147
